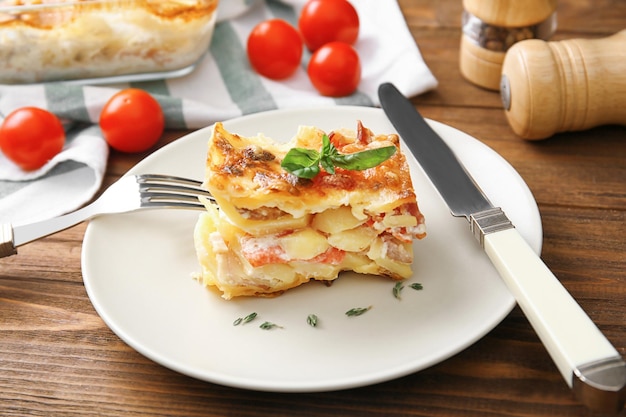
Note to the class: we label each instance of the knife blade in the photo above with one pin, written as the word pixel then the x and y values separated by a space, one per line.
pixel 588 362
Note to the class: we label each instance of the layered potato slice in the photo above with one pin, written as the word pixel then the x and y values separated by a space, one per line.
pixel 271 230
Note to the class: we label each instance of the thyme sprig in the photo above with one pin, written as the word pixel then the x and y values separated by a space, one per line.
pixel 312 319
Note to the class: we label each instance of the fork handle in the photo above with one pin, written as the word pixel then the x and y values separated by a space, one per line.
pixel 15 236
pixel 7 246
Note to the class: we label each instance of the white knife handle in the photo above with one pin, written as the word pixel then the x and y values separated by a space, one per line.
pixel 7 246
pixel 586 359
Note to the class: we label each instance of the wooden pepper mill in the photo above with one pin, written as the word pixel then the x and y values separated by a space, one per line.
pixel 490 27
pixel 550 87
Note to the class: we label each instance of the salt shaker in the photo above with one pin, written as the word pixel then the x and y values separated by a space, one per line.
pixel 568 85
pixel 490 27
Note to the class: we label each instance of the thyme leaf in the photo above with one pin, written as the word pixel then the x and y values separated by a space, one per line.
pixel 244 320
pixel 397 289
pixel 249 318
pixel 357 311
pixel 268 326
pixel 417 286
pixel 311 320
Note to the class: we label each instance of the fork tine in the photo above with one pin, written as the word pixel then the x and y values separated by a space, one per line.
pixel 167 179
pixel 160 191
pixel 169 183
pixel 170 199
pixel 166 184
pixel 176 204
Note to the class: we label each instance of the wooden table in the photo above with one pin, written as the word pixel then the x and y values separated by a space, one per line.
pixel 58 358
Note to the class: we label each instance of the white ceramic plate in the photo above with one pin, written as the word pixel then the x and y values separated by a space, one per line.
pixel 138 269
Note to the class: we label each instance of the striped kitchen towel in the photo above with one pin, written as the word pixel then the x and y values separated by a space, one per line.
pixel 221 87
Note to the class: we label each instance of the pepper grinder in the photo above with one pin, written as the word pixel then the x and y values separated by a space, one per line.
pixel 569 85
pixel 491 27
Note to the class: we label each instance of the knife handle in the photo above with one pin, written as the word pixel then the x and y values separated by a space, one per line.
pixel 588 362
pixel 7 246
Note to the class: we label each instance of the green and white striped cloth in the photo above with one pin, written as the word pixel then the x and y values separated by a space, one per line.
pixel 222 86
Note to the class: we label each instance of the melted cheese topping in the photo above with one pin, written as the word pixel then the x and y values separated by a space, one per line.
pixel 246 173
pixel 274 231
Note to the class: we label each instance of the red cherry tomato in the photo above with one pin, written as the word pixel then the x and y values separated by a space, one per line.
pixel 335 69
pixel 132 121
pixel 274 49
pixel 323 21
pixel 31 136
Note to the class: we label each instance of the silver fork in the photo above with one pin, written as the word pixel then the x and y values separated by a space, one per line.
pixel 129 193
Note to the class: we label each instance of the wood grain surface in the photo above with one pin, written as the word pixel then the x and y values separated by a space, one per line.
pixel 58 358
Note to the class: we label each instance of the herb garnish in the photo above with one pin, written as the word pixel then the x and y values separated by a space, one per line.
pixel 312 319
pixel 305 163
pixel 357 311
pixel 268 325
pixel 244 320
pixel 397 289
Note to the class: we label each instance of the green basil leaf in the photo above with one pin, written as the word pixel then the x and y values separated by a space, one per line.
pixel 306 172
pixel 359 161
pixel 328 149
pixel 327 146
pixel 301 157
pixel 327 164
pixel 301 162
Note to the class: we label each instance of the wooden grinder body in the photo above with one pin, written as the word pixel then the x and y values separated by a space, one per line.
pixel 500 24
pixel 550 87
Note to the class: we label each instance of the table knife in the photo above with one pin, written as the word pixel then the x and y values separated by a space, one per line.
pixel 588 362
